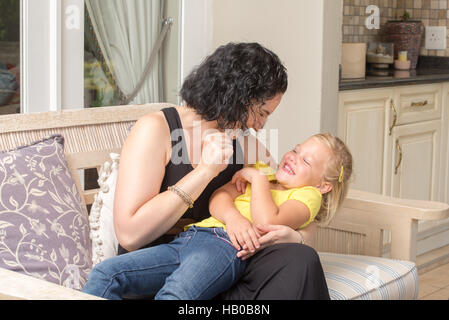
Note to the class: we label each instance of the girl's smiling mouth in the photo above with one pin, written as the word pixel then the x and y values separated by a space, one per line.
pixel 287 168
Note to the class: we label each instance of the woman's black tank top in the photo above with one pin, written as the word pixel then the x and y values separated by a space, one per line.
pixel 175 171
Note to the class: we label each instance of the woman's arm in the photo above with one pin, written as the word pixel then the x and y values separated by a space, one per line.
pixel 141 213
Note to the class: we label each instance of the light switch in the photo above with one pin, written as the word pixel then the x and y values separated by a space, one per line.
pixel 435 38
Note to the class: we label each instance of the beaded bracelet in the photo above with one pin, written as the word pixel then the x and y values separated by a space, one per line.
pixel 183 195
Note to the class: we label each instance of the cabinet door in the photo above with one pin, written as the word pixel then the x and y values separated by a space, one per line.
pixel 418 103
pixel 362 118
pixel 414 162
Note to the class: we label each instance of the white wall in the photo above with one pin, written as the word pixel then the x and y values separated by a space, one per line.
pixel 35 58
pixel 52 55
pixel 306 35
pixel 196 33
pixel 332 39
pixel 72 54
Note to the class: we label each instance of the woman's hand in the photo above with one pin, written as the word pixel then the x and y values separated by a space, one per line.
pixel 273 234
pixel 216 152
pixel 242 233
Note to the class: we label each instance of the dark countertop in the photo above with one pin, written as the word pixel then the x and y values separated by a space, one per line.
pixel 418 76
pixel 429 70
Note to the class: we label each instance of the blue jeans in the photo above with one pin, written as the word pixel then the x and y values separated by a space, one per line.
pixel 198 265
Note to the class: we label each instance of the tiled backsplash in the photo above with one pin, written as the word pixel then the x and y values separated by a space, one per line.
pixel 430 12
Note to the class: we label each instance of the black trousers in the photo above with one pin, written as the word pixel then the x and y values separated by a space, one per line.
pixel 285 271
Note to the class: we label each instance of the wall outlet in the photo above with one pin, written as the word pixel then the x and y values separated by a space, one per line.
pixel 435 38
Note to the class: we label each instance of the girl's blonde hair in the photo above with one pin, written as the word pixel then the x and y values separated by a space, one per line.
pixel 338 172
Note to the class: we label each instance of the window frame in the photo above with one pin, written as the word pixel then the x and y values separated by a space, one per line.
pixel 52 56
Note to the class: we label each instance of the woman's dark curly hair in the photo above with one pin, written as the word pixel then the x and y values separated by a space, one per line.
pixel 228 83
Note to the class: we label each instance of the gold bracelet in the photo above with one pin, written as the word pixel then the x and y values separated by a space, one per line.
pixel 183 195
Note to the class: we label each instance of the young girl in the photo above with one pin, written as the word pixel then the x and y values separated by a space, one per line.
pixel 310 184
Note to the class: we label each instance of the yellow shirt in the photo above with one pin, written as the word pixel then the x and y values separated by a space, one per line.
pixel 309 196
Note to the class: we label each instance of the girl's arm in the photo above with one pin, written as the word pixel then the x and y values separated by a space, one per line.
pixel 264 210
pixel 221 203
pixel 240 230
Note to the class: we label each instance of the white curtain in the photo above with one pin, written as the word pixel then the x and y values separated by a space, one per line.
pixel 127 31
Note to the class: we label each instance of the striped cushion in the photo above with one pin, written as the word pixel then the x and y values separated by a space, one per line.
pixel 355 277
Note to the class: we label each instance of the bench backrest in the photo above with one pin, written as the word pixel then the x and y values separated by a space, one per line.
pixel 89 134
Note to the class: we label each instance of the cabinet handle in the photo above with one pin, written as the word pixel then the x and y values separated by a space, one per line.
pixel 395 116
pixel 398 147
pixel 420 104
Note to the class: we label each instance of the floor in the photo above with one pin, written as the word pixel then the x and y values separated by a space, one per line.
pixel 434 284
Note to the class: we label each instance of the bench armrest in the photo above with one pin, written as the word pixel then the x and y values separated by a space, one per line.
pixel 390 207
pixel 380 212
pixel 17 286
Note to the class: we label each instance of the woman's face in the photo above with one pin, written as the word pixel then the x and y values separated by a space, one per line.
pixel 258 117
pixel 304 166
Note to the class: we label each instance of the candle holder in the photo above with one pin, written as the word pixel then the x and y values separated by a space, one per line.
pixel 380 54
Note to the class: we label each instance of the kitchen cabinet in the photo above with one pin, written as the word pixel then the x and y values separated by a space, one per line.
pixel 413 162
pixel 362 125
pixel 398 137
pixel 394 135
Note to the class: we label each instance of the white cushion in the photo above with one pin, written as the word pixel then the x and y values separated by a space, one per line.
pixel 104 241
pixel 356 277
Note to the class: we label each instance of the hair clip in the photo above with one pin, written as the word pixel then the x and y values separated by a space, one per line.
pixel 340 178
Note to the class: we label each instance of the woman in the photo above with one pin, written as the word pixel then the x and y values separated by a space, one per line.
pixel 163 178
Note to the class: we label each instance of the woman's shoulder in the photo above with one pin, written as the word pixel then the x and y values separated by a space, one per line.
pixel 152 124
pixel 154 118
pixel 150 134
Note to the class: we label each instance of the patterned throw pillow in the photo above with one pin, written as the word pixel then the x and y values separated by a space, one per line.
pixel 44 230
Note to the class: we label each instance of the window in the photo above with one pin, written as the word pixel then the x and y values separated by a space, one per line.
pixel 127 52
pixel 9 56
pixel 131 55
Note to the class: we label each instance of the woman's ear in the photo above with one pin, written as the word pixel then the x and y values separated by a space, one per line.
pixel 325 187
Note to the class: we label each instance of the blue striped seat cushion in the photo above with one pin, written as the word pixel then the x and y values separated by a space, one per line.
pixel 355 277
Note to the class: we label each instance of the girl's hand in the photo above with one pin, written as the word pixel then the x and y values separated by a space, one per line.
pixel 242 233
pixel 242 177
pixel 273 234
